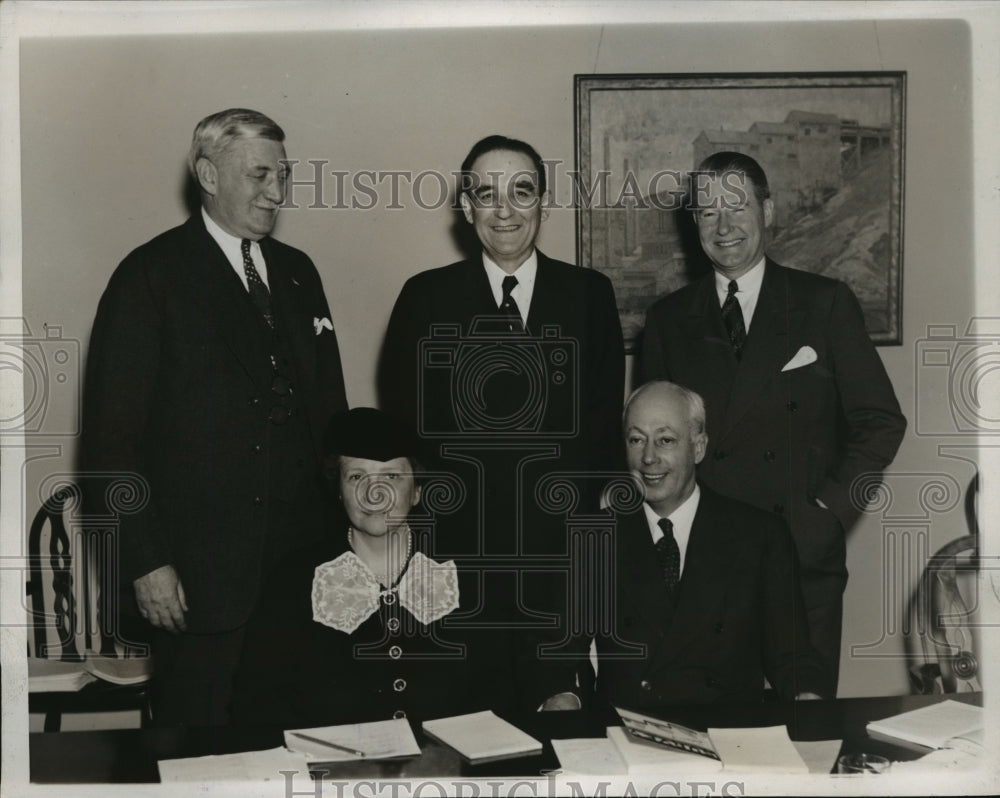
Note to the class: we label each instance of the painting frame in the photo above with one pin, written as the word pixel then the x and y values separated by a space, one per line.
pixel 832 144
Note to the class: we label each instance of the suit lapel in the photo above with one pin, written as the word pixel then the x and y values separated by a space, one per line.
pixel 710 361
pixel 775 318
pixel 226 302
pixel 643 583
pixel 293 316
pixel 477 295
pixel 703 585
pixel 544 297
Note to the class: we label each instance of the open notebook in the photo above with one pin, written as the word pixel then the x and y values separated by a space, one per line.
pixel 382 739
pixel 931 726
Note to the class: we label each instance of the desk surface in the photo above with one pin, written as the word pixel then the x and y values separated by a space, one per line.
pixel 130 755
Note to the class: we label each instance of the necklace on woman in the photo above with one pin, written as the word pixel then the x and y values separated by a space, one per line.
pixel 383 576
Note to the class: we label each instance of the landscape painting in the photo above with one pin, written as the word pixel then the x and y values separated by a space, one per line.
pixel 832 146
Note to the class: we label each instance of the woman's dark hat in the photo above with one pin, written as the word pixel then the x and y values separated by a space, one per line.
pixel 370 434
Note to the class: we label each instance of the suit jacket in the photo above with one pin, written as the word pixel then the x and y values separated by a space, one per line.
pixel 574 346
pixel 737 616
pixel 178 392
pixel 579 304
pixel 778 439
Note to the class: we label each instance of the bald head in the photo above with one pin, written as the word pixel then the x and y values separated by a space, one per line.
pixel 664 391
pixel 664 426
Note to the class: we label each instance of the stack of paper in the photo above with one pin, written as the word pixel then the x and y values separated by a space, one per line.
pixel 482 737
pixel 648 745
pixel 51 676
pixel 930 726
pixel 382 739
pixel 644 757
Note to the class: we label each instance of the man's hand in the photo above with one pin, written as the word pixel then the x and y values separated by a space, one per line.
pixel 561 701
pixel 804 696
pixel 160 596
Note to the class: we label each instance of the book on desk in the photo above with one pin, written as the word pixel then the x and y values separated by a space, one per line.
pixel 482 737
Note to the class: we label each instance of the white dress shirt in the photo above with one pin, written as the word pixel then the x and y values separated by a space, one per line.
pixel 682 518
pixel 748 293
pixel 230 246
pixel 525 274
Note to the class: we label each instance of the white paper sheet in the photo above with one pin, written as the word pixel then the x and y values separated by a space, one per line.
pixel 820 756
pixel 765 749
pixel 381 739
pixel 589 756
pixel 256 766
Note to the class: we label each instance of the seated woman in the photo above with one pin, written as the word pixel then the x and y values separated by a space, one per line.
pixel 355 628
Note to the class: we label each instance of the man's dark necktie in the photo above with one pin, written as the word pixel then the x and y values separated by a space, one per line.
pixel 732 315
pixel 509 307
pixel 258 291
pixel 668 554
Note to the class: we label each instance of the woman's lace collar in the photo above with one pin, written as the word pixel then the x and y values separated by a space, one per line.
pixel 345 593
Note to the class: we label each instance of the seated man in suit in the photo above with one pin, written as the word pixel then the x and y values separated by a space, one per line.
pixel 706 593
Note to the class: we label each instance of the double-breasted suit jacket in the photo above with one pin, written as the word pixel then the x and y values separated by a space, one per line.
pixel 807 410
pixel 504 414
pixel 737 615
pixel 574 338
pixel 180 391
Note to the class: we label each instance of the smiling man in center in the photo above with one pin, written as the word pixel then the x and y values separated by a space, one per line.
pixel 511 366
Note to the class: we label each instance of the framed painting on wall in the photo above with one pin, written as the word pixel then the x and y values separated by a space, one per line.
pixel 831 144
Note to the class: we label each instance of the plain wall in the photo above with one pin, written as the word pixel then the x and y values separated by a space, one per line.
pixel 106 123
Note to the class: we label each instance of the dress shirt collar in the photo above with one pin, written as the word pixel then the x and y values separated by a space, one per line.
pixel 525 288
pixel 682 518
pixel 230 246
pixel 749 292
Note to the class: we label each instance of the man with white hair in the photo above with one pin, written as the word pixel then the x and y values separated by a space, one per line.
pixel 212 371
pixel 707 600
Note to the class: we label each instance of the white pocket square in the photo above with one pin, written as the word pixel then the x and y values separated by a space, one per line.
pixel 803 357
pixel 320 324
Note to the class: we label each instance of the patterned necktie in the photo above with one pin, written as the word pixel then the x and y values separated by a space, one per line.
pixel 509 307
pixel 732 315
pixel 258 291
pixel 669 556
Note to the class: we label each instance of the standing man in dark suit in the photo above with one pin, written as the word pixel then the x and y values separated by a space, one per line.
pixel 212 371
pixel 707 599
pixel 798 401
pixel 511 367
